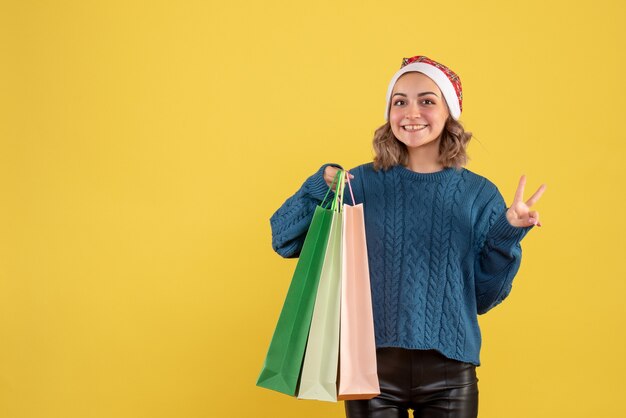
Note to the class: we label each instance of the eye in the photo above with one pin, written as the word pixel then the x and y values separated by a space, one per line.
pixel 399 101
pixel 428 102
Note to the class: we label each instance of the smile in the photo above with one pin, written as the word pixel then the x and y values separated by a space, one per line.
pixel 414 127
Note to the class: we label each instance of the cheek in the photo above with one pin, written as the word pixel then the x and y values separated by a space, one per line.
pixel 436 117
pixel 394 117
pixel 394 121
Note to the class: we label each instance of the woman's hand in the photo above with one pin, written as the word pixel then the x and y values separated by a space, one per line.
pixel 329 175
pixel 519 214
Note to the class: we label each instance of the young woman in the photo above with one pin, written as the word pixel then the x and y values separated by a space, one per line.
pixel 443 246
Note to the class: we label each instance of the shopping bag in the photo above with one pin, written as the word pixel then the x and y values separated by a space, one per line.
pixel 283 362
pixel 318 380
pixel 358 377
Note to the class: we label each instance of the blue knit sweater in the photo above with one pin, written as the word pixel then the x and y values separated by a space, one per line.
pixel 440 250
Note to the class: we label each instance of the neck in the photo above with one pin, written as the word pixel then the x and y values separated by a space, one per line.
pixel 425 159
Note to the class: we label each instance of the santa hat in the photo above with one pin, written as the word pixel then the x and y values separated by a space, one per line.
pixel 448 81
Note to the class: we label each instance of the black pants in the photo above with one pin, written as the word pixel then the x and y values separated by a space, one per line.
pixel 425 381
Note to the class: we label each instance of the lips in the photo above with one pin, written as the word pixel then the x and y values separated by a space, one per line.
pixel 413 128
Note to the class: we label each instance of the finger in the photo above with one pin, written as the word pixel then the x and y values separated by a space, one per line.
pixel 533 217
pixel 330 173
pixel 331 182
pixel 331 170
pixel 535 197
pixel 519 193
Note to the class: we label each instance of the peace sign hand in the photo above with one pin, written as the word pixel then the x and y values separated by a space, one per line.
pixel 519 214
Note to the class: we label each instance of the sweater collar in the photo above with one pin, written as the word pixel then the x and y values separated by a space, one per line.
pixel 434 176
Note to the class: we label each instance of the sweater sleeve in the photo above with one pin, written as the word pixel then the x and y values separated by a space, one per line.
pixel 291 221
pixel 499 256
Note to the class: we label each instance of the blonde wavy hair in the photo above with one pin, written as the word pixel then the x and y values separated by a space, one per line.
pixel 388 151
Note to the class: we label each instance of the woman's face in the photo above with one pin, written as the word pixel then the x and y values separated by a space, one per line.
pixel 418 111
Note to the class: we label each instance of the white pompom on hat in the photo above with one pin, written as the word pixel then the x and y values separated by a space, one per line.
pixel 448 82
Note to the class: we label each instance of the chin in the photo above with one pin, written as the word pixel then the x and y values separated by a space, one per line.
pixel 422 143
pixel 416 143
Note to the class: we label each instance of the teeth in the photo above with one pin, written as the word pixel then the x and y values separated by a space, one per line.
pixel 414 127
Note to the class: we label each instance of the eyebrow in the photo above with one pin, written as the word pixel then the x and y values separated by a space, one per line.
pixel 419 95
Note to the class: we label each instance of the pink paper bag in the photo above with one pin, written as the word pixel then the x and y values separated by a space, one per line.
pixel 358 377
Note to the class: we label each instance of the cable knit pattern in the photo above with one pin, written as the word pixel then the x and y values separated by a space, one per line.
pixel 393 253
pixel 413 325
pixel 376 249
pixel 451 328
pixel 440 252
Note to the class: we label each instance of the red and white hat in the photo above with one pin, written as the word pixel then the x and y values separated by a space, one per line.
pixel 448 82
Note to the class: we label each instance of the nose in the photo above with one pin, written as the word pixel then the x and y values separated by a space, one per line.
pixel 413 111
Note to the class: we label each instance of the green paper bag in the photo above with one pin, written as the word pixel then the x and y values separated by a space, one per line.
pixel 283 363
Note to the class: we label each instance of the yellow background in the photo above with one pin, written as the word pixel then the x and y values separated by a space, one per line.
pixel 145 144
